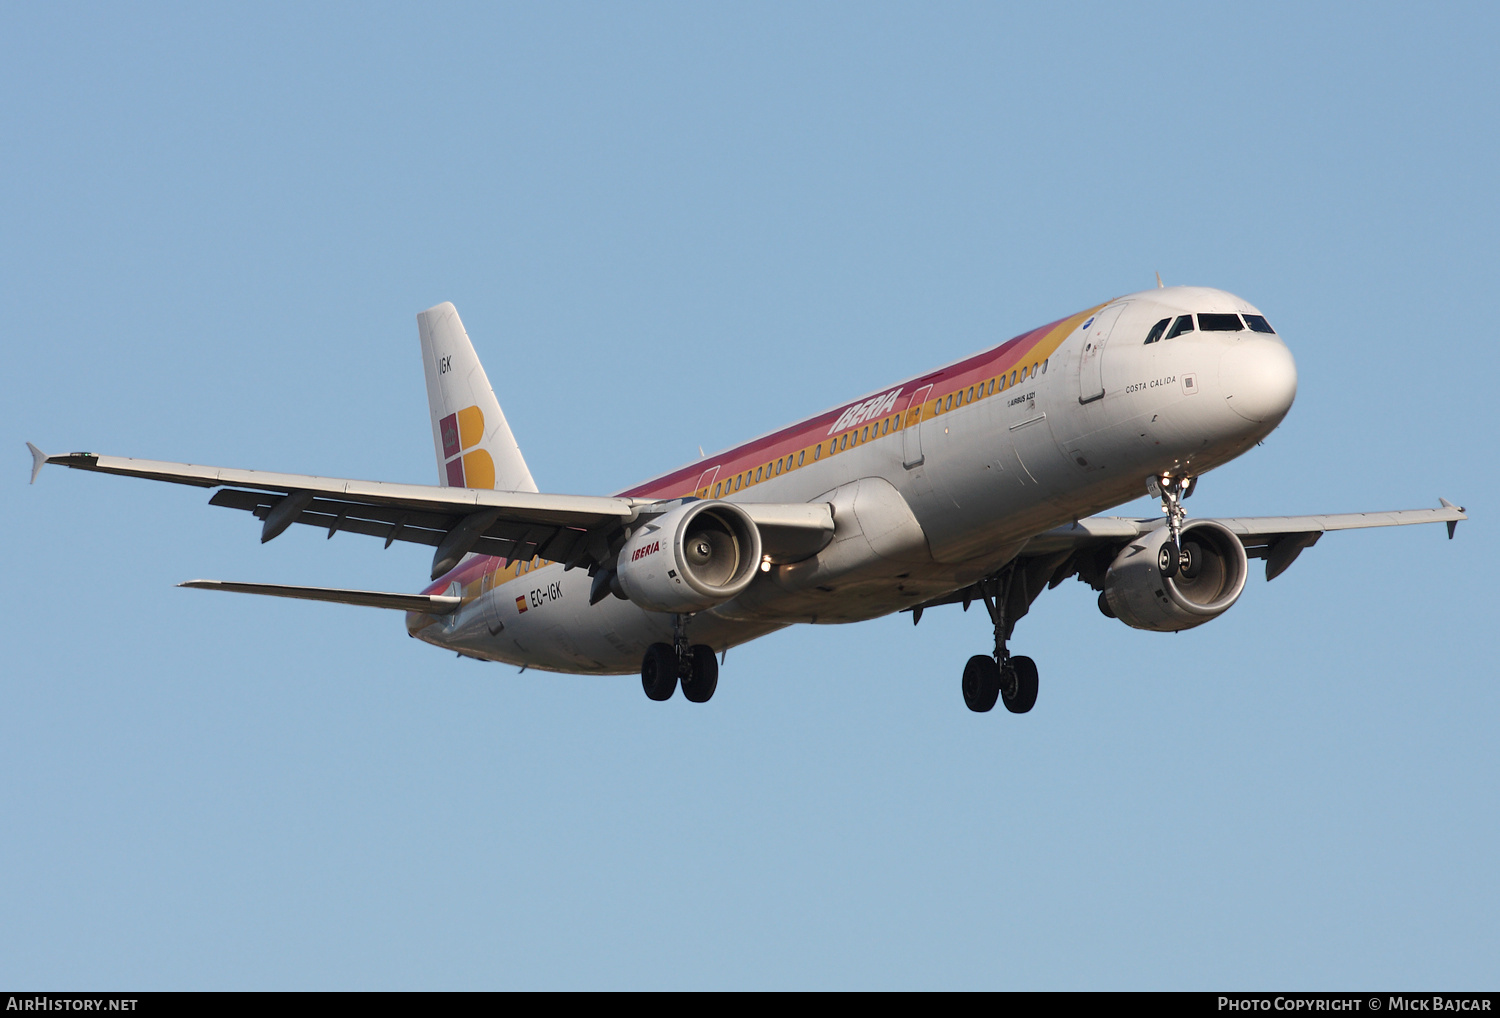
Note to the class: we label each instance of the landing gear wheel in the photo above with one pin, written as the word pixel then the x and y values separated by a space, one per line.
pixel 1191 560
pixel 700 685
pixel 659 671
pixel 1019 684
pixel 981 683
pixel 1167 560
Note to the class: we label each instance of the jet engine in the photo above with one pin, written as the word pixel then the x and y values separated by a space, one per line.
pixel 694 557
pixel 1144 591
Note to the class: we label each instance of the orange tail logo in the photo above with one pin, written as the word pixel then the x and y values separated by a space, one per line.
pixel 461 431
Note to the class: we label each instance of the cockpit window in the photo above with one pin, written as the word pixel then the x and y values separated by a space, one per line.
pixel 1157 330
pixel 1259 324
pixel 1219 323
pixel 1183 324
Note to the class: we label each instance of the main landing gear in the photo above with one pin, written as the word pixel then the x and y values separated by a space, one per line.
pixel 667 663
pixel 1012 680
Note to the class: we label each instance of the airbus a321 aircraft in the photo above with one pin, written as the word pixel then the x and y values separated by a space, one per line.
pixel 977 481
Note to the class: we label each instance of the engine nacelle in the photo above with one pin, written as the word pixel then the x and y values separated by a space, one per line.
pixel 694 557
pixel 1209 578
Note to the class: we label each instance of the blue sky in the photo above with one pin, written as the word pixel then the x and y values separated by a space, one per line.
pixel 668 226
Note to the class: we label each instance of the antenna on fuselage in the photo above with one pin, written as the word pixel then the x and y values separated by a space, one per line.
pixel 1159 284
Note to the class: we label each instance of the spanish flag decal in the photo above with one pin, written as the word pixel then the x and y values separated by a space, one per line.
pixel 521 604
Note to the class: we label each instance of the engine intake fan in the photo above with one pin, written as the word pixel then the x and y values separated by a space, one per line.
pixel 694 557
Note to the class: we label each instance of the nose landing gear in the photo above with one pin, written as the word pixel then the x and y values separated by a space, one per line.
pixel 667 663
pixel 1172 490
pixel 1010 680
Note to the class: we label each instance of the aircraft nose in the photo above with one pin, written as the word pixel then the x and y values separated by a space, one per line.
pixel 1259 378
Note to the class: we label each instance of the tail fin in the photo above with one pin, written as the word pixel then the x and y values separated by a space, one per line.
pixel 475 447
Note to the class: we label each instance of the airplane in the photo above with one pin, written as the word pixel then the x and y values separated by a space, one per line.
pixel 977 481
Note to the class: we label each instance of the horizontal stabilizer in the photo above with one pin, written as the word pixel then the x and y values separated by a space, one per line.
pixel 432 604
pixel 38 460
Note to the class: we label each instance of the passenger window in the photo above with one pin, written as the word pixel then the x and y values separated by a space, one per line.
pixel 971 394
pixel 1002 383
pixel 1157 330
pixel 1012 378
pixel 1044 365
pixel 864 436
pixel 992 386
pixel 1033 371
pixel 716 490
pixel 817 451
pixel 801 456
pixel 758 472
pixel 1023 374
pixel 844 444
pixel 1219 323
pixel 737 479
pixel 886 429
pixel 949 404
pixel 1258 323
pixel 778 466
pixel 1183 324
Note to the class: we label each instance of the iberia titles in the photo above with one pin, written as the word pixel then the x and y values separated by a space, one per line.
pixel 875 406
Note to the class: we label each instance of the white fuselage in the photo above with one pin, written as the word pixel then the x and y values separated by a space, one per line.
pixel 946 497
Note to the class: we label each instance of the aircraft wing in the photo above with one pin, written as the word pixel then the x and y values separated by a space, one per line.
pixel 573 529
pixel 1277 539
pixel 1085 547
pixel 514 524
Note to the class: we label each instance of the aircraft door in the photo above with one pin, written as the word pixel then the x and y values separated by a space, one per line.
pixel 706 482
pixel 1091 357
pixel 911 434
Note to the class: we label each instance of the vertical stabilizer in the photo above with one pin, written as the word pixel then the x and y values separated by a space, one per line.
pixel 475 447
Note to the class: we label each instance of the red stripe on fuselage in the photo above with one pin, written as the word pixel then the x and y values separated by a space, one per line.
pixel 808 432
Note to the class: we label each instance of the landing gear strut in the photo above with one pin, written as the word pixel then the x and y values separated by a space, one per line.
pixel 1171 490
pixel 1011 680
pixel 693 664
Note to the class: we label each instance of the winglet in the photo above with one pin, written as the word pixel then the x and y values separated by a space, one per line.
pixel 38 460
pixel 1452 524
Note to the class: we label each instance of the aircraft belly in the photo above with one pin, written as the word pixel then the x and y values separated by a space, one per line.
pixel 558 630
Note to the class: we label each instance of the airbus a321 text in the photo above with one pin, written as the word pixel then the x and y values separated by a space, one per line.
pixel 975 482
